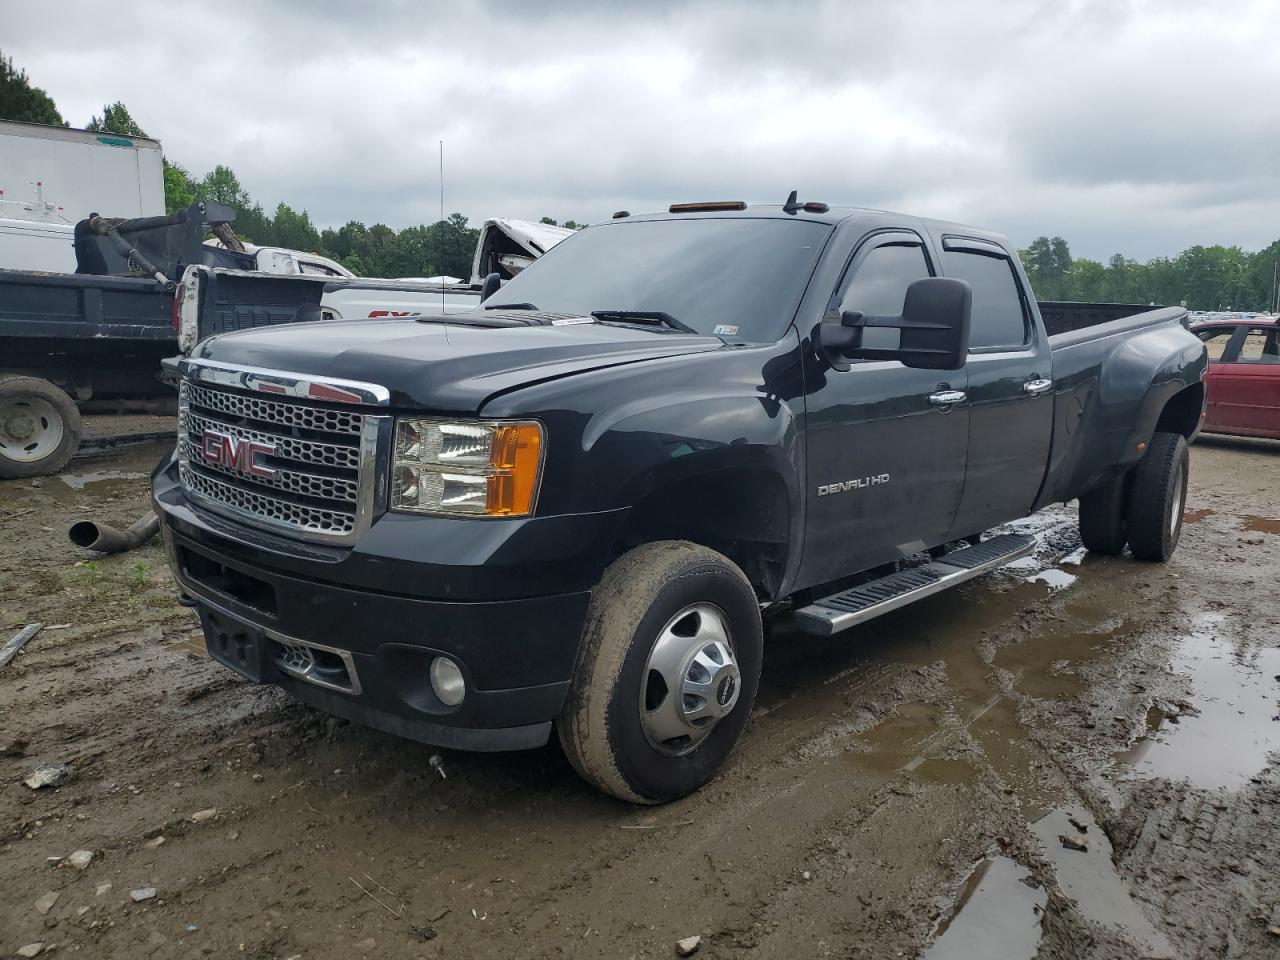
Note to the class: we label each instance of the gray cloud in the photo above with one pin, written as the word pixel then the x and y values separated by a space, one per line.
pixel 1139 126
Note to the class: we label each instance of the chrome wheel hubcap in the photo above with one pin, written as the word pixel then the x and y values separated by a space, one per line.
pixel 691 680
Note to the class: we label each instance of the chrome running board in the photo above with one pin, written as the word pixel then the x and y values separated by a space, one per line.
pixel 869 600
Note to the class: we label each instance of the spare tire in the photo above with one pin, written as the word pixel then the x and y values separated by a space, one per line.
pixel 39 427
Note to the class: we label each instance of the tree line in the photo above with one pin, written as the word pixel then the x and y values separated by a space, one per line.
pixel 1204 278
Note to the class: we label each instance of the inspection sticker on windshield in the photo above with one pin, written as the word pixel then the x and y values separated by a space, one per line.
pixel 571 321
pixel 726 330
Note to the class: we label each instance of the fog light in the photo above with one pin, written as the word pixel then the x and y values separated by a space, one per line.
pixel 447 682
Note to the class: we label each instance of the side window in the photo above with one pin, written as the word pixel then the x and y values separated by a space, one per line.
pixel 1260 346
pixel 998 317
pixel 879 287
pixel 1215 342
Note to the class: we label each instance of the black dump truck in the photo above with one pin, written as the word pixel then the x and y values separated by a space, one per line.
pixel 576 508
pixel 72 339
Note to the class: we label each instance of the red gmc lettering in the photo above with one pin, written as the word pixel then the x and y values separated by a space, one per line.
pixel 236 454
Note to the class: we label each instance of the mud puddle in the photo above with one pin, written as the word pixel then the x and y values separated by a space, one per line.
pixel 1223 733
pixel 997 916
pixel 98 481
pixel 1260 524
pixel 1085 869
pixel 107 476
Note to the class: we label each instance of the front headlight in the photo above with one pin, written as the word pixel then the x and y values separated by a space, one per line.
pixel 466 468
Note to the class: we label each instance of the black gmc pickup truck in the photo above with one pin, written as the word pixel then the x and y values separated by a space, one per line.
pixel 576 507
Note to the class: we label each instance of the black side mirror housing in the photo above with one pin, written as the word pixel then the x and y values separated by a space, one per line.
pixel 489 286
pixel 934 329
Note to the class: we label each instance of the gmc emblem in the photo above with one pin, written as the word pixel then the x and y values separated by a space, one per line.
pixel 236 454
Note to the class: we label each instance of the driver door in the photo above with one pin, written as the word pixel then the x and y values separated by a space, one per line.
pixel 885 443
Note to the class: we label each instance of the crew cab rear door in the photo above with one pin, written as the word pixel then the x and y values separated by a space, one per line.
pixel 1010 388
pixel 885 443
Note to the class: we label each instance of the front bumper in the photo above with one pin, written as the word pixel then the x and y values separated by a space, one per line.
pixel 371 649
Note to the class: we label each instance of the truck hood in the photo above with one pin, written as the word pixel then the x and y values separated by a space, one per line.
pixel 446 366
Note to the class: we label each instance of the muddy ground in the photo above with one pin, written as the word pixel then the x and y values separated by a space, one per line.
pixel 902 790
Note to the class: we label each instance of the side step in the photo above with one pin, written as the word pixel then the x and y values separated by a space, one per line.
pixel 866 601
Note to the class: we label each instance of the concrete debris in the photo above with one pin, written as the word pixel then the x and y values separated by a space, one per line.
pixel 144 893
pixel 102 888
pixel 1074 843
pixel 49 775
pixel 45 903
pixel 154 842
pixel 31 950
pixel 81 859
pixel 200 816
pixel 688 946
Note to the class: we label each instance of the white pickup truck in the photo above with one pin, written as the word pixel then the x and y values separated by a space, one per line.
pixel 218 299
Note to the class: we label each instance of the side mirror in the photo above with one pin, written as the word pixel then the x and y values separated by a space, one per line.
pixel 489 286
pixel 934 325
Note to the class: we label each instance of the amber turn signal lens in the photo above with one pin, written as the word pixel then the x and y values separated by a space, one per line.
pixel 516 460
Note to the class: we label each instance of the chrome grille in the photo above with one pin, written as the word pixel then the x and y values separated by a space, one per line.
pixel 273 411
pixel 291 481
pixel 267 507
pixel 291 448
pixel 310 470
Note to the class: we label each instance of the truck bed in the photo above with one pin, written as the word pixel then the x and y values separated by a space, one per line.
pixel 1064 316
pixel 43 305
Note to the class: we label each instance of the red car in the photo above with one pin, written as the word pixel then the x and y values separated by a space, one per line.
pixel 1243 382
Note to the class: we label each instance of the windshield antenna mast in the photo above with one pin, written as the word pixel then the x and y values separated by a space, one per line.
pixel 441 267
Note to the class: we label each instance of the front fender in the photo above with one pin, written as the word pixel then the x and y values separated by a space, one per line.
pixel 706 432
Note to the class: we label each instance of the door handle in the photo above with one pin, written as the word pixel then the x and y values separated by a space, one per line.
pixel 946 399
pixel 1037 387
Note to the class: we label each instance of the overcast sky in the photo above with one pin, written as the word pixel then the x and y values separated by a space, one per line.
pixel 1139 127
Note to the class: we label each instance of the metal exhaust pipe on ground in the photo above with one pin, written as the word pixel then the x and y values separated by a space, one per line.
pixel 105 539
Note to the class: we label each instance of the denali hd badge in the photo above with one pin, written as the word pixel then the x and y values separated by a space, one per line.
pixel 236 454
pixel 844 486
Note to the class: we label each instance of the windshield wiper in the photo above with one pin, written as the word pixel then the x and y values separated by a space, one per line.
pixel 509 306
pixel 646 316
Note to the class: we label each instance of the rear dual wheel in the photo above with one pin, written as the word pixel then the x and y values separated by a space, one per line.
pixel 667 674
pixel 1142 508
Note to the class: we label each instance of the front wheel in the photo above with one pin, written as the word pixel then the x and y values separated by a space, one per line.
pixel 667 674
pixel 1157 498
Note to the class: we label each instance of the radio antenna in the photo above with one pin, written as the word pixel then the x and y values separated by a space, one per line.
pixel 441 268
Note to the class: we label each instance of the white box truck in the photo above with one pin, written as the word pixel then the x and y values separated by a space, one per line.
pixel 51 177
pixel 79 172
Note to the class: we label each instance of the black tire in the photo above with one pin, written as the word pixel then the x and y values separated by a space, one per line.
pixel 39 427
pixel 1103 519
pixel 601 727
pixel 1157 498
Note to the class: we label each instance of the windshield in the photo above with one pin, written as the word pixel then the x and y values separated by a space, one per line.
pixel 736 278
